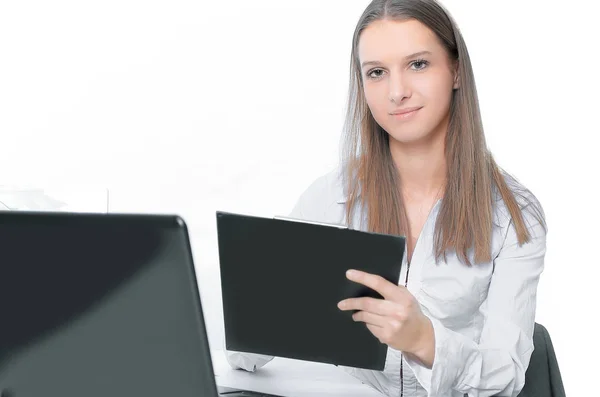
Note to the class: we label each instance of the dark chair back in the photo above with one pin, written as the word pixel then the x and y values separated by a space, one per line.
pixel 542 378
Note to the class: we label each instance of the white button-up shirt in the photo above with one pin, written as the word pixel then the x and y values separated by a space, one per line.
pixel 482 316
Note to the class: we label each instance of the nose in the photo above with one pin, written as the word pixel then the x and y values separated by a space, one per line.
pixel 398 87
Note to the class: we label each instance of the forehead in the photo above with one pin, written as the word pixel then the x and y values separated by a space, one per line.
pixel 387 39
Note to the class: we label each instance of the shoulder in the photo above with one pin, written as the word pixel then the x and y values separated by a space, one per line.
pixel 324 195
pixel 528 203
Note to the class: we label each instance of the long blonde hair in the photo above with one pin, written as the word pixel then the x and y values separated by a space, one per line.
pixel 465 219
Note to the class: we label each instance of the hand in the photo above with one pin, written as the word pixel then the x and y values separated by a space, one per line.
pixel 396 320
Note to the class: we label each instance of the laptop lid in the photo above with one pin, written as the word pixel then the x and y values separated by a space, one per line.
pixel 100 305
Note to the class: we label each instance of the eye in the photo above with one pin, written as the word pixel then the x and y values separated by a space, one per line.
pixel 375 74
pixel 419 64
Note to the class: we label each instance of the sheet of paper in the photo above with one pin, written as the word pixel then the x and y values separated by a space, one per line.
pixel 294 378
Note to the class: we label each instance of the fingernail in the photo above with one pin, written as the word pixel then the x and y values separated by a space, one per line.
pixel 350 273
pixel 341 304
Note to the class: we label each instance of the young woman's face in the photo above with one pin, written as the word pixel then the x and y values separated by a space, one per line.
pixel 408 79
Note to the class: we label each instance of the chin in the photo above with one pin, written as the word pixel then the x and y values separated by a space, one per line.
pixel 408 136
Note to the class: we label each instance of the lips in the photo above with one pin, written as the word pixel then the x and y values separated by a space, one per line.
pixel 405 114
pixel 405 111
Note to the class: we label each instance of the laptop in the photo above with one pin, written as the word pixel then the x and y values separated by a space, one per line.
pixel 101 305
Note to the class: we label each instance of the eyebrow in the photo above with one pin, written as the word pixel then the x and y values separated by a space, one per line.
pixel 416 54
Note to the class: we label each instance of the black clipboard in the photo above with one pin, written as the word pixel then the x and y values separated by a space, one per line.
pixel 281 280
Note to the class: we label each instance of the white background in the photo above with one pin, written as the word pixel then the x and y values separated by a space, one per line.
pixel 197 106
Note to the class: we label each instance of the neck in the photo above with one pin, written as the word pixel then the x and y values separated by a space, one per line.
pixel 421 166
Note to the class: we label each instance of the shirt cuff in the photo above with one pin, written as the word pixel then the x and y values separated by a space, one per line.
pixel 441 378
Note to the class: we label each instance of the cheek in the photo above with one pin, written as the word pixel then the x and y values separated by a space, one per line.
pixel 375 96
pixel 438 91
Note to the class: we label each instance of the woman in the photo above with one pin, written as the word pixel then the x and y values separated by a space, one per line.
pixel 416 164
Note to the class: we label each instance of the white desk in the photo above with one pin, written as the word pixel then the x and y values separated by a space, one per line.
pixel 293 378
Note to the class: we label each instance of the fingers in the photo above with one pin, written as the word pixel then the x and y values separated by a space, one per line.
pixel 377 283
pixel 378 332
pixel 371 305
pixel 385 334
pixel 370 319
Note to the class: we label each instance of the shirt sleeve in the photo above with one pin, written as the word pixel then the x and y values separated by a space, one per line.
pixel 497 364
